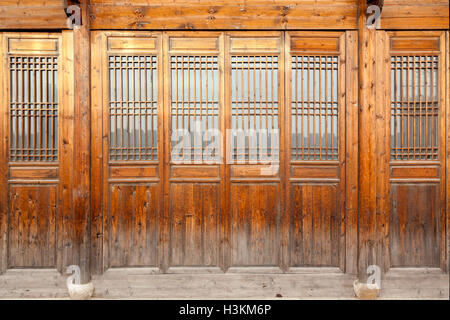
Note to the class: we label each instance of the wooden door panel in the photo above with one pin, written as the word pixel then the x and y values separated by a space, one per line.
pixel 255 224
pixel 415 225
pixel 315 225
pixel 133 223
pixel 228 184
pixel 417 148
pixel 316 121
pixel 194 224
pixel 194 170
pixel 32 226
pixel 127 148
pixel 36 114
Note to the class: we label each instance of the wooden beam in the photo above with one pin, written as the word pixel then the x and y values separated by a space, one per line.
pixel 32 14
pixel 208 15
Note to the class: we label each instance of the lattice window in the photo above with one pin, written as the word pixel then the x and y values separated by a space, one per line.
pixel 414 107
pixel 314 108
pixel 33 108
pixel 195 108
pixel 254 108
pixel 133 108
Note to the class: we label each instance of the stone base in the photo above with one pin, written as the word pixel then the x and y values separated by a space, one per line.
pixel 363 292
pixel 81 291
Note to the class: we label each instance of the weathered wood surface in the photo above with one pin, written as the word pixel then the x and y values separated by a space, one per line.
pixel 224 14
pixel 257 14
pixel 415 14
pixel 146 283
pixel 32 14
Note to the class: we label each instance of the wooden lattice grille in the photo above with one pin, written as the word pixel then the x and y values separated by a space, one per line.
pixel 33 108
pixel 195 108
pixel 414 107
pixel 314 108
pixel 133 108
pixel 255 108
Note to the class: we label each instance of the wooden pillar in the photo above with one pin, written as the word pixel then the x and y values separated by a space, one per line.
pixel 373 147
pixel 81 165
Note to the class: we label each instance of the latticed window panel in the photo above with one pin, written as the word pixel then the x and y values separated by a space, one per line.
pixel 33 108
pixel 414 107
pixel 195 112
pixel 133 107
pixel 255 108
pixel 314 108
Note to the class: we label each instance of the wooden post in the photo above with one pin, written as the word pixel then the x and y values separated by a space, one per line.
pixel 81 165
pixel 373 147
pixel 367 134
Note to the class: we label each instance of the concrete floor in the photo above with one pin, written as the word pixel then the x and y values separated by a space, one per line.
pixel 147 283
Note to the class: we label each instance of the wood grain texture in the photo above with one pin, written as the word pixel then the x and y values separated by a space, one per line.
pixel 224 15
pixel 415 14
pixel 4 148
pixel 194 224
pixel 134 225
pixel 254 224
pixel 82 130
pixel 315 226
pixel 31 14
pixel 352 153
pixel 415 226
pixel 32 224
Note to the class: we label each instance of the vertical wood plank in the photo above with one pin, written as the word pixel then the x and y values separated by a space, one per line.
pixel 97 234
pixel 367 133
pixel 447 130
pixel 443 155
pixel 351 154
pixel 81 186
pixel 3 159
pixel 66 147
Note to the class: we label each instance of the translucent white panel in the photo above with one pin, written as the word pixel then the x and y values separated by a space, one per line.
pixel 414 108
pixel 194 108
pixel 254 108
pixel 132 108
pixel 33 108
pixel 314 108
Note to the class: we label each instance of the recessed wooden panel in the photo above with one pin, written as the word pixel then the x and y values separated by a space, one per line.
pixel 32 226
pixel 255 219
pixel 254 171
pixel 27 45
pixel 194 224
pixel 415 226
pixel 414 44
pixel 33 173
pixel 134 172
pixel 194 44
pixel 255 44
pixel 415 172
pixel 315 44
pixel 314 225
pixel 194 172
pixel 315 172
pixel 131 43
pixel 133 221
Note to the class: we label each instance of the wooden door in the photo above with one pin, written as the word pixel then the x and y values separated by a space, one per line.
pixel 36 147
pixel 194 170
pixel 127 150
pixel 321 150
pixel 415 79
pixel 223 185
